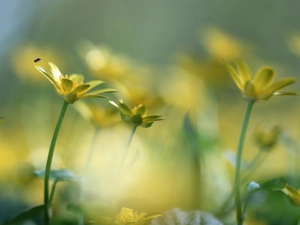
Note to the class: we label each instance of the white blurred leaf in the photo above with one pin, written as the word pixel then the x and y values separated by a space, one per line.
pixel 178 217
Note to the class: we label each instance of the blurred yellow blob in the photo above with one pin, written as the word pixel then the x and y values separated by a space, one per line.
pixel 221 45
pixel 102 62
pixel 128 216
pixel 23 60
pixel 293 42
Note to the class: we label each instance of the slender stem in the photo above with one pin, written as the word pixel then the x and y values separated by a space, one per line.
pixel 254 164
pixel 237 186
pixel 53 191
pixel 49 161
pixel 119 175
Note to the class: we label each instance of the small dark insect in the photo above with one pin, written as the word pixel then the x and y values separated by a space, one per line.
pixel 36 60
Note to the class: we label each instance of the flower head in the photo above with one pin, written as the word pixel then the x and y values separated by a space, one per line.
pixel 72 87
pixel 100 116
pixel 261 87
pixel 267 139
pixel 137 116
pixel 127 216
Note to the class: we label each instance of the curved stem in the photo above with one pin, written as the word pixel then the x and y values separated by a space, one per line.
pixel 237 182
pixel 119 175
pixel 49 161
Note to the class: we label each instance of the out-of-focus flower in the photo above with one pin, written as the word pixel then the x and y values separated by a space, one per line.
pixel 72 87
pixel 134 93
pixel 99 115
pixel 127 216
pixel 136 116
pixel 261 87
pixel 267 139
pixel 211 72
pixel 22 58
pixel 221 45
pixel 293 42
pixel 103 63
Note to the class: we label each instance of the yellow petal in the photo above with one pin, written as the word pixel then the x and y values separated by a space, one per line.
pixel 49 77
pixel 81 89
pixel 244 71
pixel 95 83
pixel 91 96
pixel 102 91
pixel 66 85
pixel 141 109
pixel 235 76
pixel 55 71
pixel 285 93
pixel 293 194
pixel 281 84
pixel 263 78
pixel 77 78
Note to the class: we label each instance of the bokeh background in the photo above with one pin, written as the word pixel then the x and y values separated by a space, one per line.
pixel 166 55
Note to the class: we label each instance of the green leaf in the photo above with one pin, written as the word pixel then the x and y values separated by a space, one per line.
pixel 26 215
pixel 273 185
pixel 60 175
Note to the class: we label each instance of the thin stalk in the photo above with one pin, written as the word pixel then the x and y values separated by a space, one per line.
pixel 255 162
pixel 119 175
pixel 53 191
pixel 237 183
pixel 49 161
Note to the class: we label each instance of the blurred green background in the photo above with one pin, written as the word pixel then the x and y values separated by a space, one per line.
pixel 171 50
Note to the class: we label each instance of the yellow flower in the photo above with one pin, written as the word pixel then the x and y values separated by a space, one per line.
pixel 221 45
pixel 103 62
pixel 261 87
pixel 266 139
pixel 136 116
pixel 293 194
pixel 100 116
pixel 127 216
pixel 72 87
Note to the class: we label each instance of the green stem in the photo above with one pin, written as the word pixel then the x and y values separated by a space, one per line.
pixel 255 162
pixel 49 161
pixel 237 186
pixel 119 175
pixel 53 191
